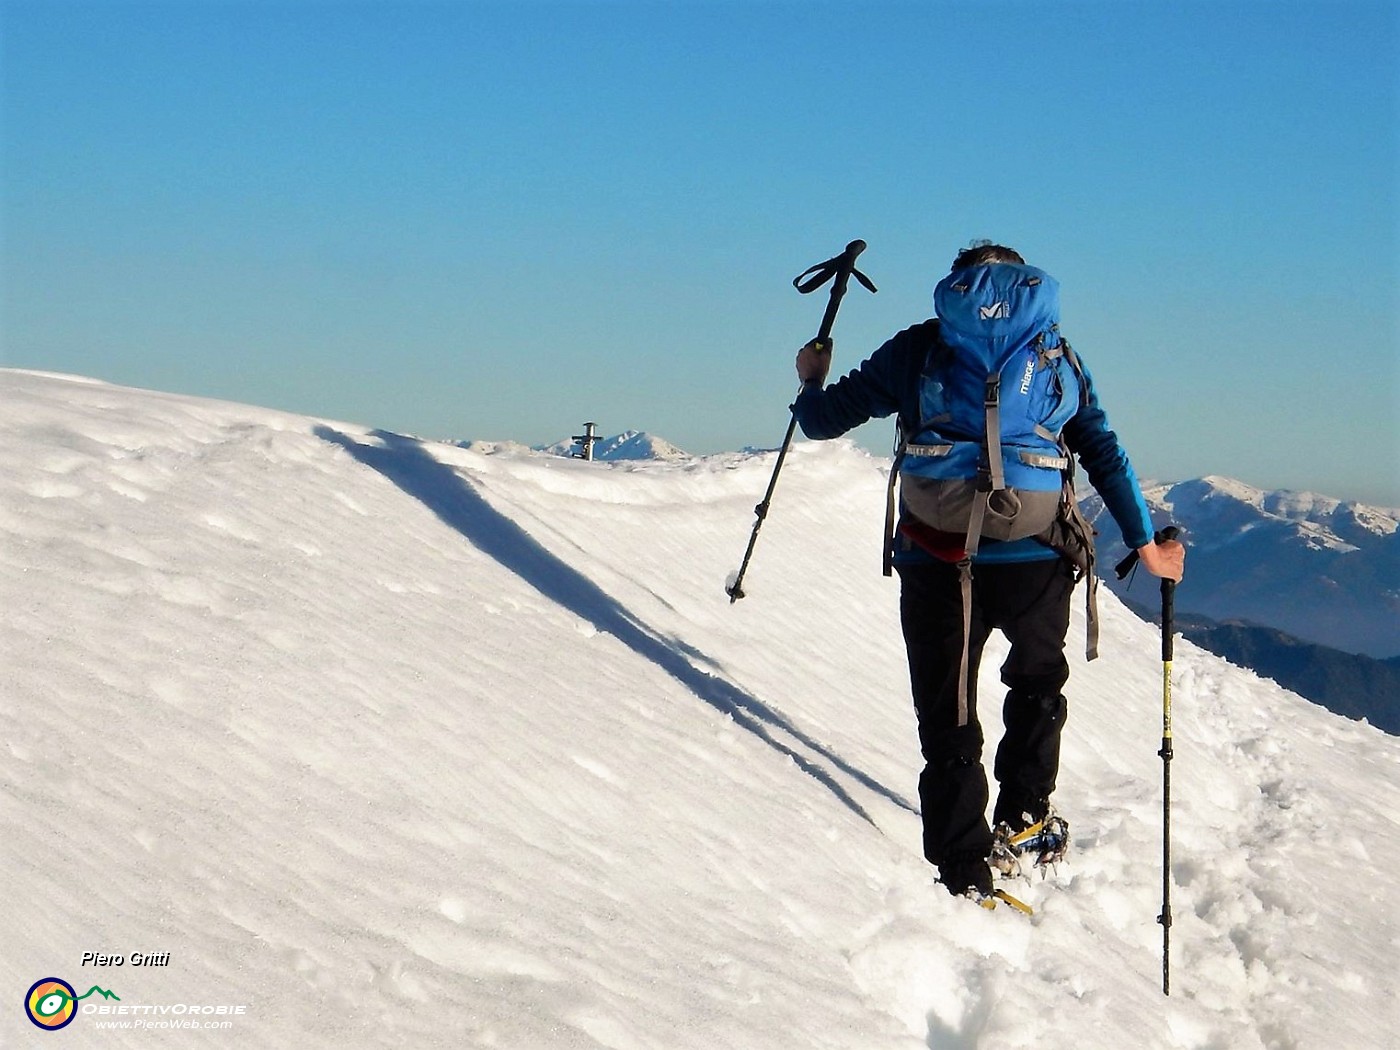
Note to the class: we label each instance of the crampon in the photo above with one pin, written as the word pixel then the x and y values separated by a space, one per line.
pixel 990 900
pixel 1043 842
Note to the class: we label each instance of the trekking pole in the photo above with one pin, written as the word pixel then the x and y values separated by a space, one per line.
pixel 1168 629
pixel 840 268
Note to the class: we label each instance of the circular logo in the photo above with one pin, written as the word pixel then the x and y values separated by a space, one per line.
pixel 51 1003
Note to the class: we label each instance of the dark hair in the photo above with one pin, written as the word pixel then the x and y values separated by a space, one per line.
pixel 979 253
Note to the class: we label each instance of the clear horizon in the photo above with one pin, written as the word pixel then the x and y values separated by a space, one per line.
pixel 496 221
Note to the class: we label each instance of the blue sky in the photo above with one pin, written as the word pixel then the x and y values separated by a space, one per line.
pixel 499 220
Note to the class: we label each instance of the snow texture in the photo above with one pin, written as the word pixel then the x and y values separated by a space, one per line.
pixel 396 743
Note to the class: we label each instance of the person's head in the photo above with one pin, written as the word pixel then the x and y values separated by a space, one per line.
pixel 979 253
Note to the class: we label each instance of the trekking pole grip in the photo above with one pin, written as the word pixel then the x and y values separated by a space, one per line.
pixel 1168 597
pixel 1126 566
pixel 839 270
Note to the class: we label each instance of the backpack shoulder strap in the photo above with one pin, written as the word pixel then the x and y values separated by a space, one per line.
pixel 1077 523
pixel 1078 367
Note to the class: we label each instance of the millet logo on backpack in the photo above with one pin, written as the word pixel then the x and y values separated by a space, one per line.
pixel 1030 374
pixel 996 312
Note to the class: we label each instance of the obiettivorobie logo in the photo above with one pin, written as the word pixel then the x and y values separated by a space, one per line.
pixel 52 1003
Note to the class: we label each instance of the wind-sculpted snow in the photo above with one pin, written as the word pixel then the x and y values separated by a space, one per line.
pixel 395 743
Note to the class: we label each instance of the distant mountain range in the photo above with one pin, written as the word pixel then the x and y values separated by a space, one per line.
pixel 1300 588
pixel 629 445
pixel 1317 568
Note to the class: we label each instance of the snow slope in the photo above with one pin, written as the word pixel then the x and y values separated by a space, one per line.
pixel 393 743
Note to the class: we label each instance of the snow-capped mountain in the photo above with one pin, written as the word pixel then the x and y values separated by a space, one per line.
pixel 629 445
pixel 378 742
pixel 1314 567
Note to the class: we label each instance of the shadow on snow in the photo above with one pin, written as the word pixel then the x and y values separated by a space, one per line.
pixel 411 466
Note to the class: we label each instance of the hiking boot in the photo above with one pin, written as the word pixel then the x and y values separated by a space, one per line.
pixel 967 877
pixel 1018 812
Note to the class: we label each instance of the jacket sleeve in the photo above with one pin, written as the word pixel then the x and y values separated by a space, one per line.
pixel 1089 437
pixel 880 387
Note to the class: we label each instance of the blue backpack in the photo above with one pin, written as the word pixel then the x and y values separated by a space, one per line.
pixel 986 459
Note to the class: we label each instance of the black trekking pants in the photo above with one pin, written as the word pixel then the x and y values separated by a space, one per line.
pixel 1029 603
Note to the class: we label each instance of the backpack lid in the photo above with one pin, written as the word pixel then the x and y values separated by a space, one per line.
pixel 996 308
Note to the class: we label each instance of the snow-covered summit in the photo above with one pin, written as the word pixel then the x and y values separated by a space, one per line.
pixel 393 743
pixel 1226 501
pixel 629 445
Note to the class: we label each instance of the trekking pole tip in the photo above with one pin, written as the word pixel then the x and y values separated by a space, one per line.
pixel 732 588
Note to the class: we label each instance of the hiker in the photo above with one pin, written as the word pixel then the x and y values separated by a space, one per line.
pixel 959 581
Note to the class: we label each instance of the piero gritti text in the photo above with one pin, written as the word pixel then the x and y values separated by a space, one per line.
pixel 135 959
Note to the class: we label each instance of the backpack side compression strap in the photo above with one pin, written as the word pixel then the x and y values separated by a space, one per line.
pixel 891 508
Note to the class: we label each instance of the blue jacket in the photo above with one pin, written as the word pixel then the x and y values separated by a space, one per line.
pixel 888 382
